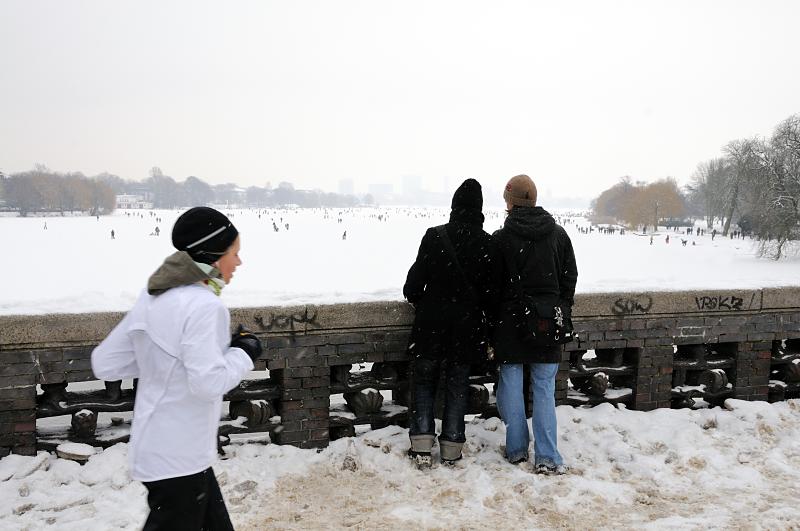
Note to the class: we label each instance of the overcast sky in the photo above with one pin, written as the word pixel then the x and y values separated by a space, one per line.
pixel 576 94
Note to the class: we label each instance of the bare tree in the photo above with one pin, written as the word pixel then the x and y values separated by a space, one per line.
pixel 47 183
pixel 103 198
pixel 257 197
pixel 610 203
pixel 3 179
pixel 778 162
pixel 196 192
pixel 706 188
pixel 743 168
pixel 633 208
pixel 22 194
pixel 115 182
pixel 641 203
pixel 226 193
pixel 663 199
pixel 164 188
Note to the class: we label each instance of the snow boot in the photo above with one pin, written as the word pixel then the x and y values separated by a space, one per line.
pixel 450 451
pixel 551 470
pixel 420 451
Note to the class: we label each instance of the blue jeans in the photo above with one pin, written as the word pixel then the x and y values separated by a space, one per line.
pixel 426 374
pixel 511 404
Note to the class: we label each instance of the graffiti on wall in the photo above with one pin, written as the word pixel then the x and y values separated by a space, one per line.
pixel 719 302
pixel 303 321
pixel 642 304
pixel 632 305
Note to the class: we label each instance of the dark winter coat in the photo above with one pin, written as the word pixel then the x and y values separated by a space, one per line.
pixel 449 323
pixel 548 275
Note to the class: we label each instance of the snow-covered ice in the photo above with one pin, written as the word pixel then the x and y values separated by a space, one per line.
pixel 733 468
pixel 75 266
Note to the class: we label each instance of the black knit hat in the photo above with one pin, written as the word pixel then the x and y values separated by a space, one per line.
pixel 468 196
pixel 204 233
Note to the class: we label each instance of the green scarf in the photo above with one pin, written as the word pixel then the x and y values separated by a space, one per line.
pixel 214 282
pixel 180 270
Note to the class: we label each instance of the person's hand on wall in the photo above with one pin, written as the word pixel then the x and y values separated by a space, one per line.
pixel 247 341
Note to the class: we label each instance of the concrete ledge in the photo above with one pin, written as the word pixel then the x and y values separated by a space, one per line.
pixel 20 331
pixel 336 317
pixel 626 305
pixel 58 330
pixel 780 298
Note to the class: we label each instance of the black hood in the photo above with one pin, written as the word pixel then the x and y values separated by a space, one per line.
pixel 470 216
pixel 530 223
pixel 468 196
pixel 177 270
pixel 467 204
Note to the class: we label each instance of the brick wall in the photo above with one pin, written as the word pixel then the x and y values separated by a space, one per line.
pixel 18 379
pixel 304 343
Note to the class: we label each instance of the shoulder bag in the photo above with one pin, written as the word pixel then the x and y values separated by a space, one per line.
pixel 541 325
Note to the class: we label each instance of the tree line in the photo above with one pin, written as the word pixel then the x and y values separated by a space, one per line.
pixel 43 190
pixel 640 204
pixel 754 184
pixel 168 193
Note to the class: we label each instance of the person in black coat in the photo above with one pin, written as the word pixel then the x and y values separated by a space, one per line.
pixel 450 326
pixel 541 252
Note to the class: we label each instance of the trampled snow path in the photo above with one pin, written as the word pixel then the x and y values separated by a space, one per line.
pixel 705 469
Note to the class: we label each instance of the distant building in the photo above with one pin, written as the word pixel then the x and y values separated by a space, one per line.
pixel 230 195
pixel 141 190
pixel 128 201
pixel 240 194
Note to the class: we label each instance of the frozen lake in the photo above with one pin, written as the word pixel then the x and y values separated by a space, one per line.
pixel 75 266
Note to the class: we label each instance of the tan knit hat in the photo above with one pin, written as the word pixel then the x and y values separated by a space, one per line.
pixel 520 191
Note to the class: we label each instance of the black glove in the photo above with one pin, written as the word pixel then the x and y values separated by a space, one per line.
pixel 247 341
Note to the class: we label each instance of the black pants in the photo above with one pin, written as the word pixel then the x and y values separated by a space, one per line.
pixel 187 503
pixel 456 395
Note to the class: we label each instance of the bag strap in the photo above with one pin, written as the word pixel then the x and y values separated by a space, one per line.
pixel 516 279
pixel 512 266
pixel 448 246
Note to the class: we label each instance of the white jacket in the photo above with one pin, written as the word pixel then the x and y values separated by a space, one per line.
pixel 178 345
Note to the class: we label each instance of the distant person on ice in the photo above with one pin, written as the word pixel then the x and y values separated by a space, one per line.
pixel 176 341
pixel 112 234
pixel 452 284
pixel 539 253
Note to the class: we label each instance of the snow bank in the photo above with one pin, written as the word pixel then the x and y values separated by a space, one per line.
pixel 737 467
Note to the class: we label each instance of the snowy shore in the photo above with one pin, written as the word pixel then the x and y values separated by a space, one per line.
pixel 733 468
